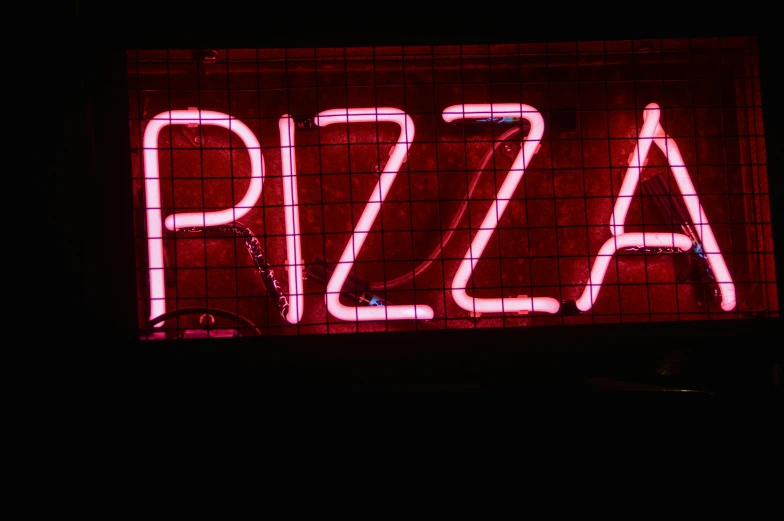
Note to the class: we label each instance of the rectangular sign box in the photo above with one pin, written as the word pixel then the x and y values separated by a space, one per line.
pixel 373 189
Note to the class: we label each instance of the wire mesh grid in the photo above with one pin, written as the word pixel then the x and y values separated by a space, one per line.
pixel 312 191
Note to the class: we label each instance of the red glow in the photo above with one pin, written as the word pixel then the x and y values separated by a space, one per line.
pixel 490 222
pixel 652 132
pixel 291 204
pixel 369 214
pixel 153 190
pixel 347 244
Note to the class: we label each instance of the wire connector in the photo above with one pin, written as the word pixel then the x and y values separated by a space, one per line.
pixel 193 125
pixel 569 308
pixel 522 311
pixel 305 124
pixel 303 267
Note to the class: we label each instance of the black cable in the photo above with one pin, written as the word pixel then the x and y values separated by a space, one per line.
pixel 399 281
pixel 204 311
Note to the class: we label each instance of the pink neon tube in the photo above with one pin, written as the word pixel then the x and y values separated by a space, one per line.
pixel 291 204
pixel 652 131
pixel 490 222
pixel 613 244
pixel 152 189
pixel 636 162
pixel 369 214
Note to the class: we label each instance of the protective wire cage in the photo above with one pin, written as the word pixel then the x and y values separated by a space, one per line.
pixel 334 190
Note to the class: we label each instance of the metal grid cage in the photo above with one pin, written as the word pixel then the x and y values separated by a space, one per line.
pixel 320 190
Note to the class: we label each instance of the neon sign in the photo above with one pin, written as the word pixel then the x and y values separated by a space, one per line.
pixel 652 132
pixel 490 222
pixel 369 214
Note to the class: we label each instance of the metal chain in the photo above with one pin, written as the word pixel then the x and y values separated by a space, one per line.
pixel 257 254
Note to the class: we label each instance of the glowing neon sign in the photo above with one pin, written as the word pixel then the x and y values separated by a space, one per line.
pixel 291 205
pixel 490 222
pixel 152 190
pixel 651 133
pixel 369 214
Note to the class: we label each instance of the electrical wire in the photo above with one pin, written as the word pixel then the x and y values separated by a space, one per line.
pixel 203 311
pixel 399 281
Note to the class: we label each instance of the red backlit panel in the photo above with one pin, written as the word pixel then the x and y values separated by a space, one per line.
pixel 311 191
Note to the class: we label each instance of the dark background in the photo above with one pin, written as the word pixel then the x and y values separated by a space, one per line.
pixel 97 301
